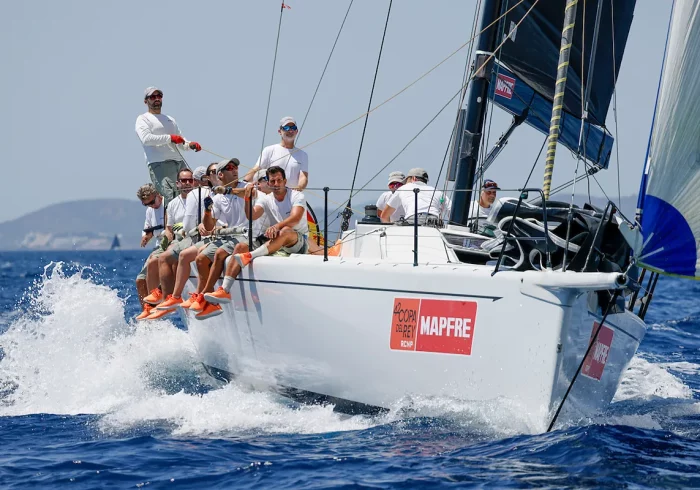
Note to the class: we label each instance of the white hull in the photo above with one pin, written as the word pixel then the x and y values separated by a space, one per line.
pixel 325 329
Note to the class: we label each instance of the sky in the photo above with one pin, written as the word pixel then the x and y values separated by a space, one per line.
pixel 75 70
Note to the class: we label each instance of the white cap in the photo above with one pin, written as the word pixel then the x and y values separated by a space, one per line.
pixel 199 172
pixel 260 174
pixel 286 120
pixel 149 91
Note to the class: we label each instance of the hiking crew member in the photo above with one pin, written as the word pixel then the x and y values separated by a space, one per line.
pixel 432 204
pixel 286 210
pixel 292 160
pixel 396 180
pixel 486 200
pixel 162 140
pixel 155 215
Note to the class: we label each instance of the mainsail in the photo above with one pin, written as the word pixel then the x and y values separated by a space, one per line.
pixel 669 198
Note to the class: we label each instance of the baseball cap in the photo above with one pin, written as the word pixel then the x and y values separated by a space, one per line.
pixel 260 174
pixel 222 164
pixel 418 172
pixel 396 177
pixel 491 185
pixel 149 91
pixel 199 172
pixel 286 120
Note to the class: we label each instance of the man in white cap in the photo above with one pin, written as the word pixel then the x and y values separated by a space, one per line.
pixel 162 140
pixel 396 180
pixel 432 204
pixel 294 161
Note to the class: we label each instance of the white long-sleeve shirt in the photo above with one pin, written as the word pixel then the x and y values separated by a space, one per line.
pixel 154 131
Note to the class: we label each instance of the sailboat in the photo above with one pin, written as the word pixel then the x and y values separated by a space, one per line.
pixel 115 243
pixel 536 313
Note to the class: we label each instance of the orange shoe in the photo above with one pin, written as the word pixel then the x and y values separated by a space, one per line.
pixel 146 311
pixel 220 296
pixel 198 304
pixel 209 311
pixel 243 259
pixel 155 298
pixel 188 302
pixel 156 313
pixel 169 303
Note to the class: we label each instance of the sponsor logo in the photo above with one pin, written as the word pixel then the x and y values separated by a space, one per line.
pixel 505 86
pixel 594 364
pixel 433 325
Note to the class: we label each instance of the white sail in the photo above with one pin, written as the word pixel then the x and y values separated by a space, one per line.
pixel 671 204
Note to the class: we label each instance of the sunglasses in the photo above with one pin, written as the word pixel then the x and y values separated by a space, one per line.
pixel 288 127
pixel 230 167
pixel 151 203
pixel 264 178
pixel 187 181
pixel 395 185
pixel 155 96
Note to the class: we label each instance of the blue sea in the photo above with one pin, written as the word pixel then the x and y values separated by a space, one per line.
pixel 90 399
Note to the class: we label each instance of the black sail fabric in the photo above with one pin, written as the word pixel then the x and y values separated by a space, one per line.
pixel 534 54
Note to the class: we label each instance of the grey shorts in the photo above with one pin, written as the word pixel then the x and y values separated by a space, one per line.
pixel 181 245
pixel 164 177
pixel 227 244
pixel 142 275
pixel 300 247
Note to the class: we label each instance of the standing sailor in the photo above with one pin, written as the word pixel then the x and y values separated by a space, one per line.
pixel 162 141
pixel 294 161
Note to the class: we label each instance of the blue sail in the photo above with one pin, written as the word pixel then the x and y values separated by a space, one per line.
pixel 510 93
pixel 670 217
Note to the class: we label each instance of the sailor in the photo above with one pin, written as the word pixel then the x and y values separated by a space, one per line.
pixel 260 225
pixel 286 155
pixel 482 207
pixel 167 261
pixel 286 210
pixel 432 204
pixel 191 224
pixel 162 142
pixel 152 226
pixel 223 214
pixel 396 180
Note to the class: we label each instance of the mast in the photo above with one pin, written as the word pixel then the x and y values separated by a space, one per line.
pixel 476 113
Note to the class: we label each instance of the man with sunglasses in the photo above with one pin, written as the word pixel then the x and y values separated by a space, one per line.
pixel 285 155
pixel 162 142
pixel 487 196
pixel 396 180
pixel 155 216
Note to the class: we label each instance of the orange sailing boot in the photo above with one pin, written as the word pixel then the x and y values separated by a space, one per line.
pixel 220 296
pixel 198 304
pixel 243 259
pixel 146 311
pixel 155 298
pixel 209 311
pixel 169 303
pixel 156 313
pixel 188 302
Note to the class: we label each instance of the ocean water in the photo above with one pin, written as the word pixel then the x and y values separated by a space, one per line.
pixel 89 399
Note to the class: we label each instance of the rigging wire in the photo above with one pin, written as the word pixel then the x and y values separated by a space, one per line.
pixel 324 70
pixel 272 78
pixel 617 133
pixel 348 211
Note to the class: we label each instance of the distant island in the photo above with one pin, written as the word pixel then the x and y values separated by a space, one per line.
pixel 92 224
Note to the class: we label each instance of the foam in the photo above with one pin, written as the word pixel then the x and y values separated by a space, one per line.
pixel 644 380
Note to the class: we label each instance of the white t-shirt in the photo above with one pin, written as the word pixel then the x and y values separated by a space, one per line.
pixel 228 209
pixel 381 204
pixel 176 210
pixel 278 211
pixel 191 219
pixel 263 223
pixel 154 131
pixel 483 212
pixel 430 201
pixel 293 161
pixel 154 217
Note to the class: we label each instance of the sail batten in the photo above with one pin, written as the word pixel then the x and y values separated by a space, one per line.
pixel 670 218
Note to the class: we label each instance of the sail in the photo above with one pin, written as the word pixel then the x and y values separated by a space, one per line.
pixel 670 197
pixel 115 243
pixel 511 94
pixel 532 52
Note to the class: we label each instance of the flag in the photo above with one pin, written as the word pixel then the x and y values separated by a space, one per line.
pixel 286 6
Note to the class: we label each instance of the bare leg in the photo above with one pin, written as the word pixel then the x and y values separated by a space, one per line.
pixel 203 266
pixel 183 269
pixel 216 270
pixel 286 238
pixel 165 269
pixel 142 290
pixel 152 275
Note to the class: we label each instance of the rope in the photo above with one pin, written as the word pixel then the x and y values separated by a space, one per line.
pixel 272 78
pixel 347 213
pixel 324 70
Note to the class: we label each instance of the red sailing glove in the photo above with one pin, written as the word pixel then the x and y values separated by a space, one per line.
pixel 177 139
pixel 195 146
